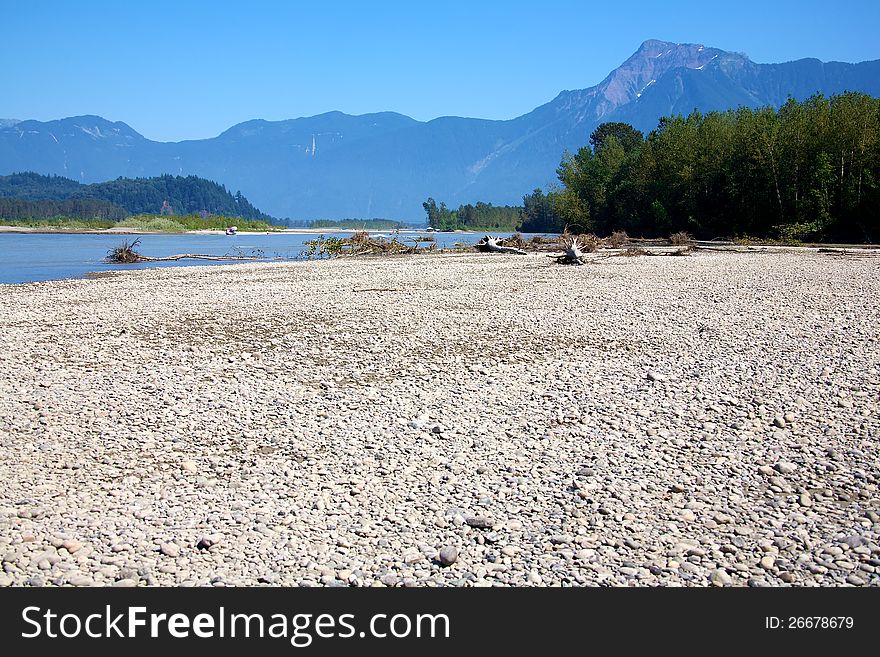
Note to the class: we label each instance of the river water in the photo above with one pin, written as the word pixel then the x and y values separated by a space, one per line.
pixel 28 257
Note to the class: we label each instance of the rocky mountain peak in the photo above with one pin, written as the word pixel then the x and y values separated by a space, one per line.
pixel 653 58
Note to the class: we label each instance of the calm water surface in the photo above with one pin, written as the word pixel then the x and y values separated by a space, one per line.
pixel 28 257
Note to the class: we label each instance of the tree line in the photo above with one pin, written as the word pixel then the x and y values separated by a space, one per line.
pixel 481 216
pixel 16 209
pixel 356 224
pixel 808 171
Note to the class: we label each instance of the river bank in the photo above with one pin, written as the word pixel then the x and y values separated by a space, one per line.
pixel 281 231
pixel 450 419
pixel 134 231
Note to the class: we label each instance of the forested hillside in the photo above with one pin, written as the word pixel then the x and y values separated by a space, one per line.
pixel 807 171
pixel 173 195
pixel 17 209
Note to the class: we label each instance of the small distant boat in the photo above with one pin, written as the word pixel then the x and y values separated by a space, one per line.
pixel 231 230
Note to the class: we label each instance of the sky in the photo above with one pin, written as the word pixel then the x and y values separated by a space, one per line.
pixel 176 70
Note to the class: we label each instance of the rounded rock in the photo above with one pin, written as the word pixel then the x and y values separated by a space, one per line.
pixel 448 555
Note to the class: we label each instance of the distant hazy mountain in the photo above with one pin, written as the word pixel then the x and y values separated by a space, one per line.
pixel 384 165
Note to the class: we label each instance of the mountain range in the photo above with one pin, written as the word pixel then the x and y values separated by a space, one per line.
pixel 386 164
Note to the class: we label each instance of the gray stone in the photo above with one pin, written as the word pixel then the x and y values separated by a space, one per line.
pixel 853 540
pixel 479 522
pixel 448 555
pixel 172 550
pixel 208 541
pixel 390 579
pixel 720 577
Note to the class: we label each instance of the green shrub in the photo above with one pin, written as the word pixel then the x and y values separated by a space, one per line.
pixel 153 224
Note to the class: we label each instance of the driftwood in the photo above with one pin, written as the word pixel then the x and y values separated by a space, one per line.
pixel 853 253
pixel 722 249
pixel 196 256
pixel 494 245
pixel 127 253
pixel 362 244
pixel 573 252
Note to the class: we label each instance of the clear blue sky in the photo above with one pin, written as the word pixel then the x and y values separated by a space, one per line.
pixel 190 69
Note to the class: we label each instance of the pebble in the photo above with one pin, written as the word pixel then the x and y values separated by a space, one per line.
pixel 207 542
pixel 342 448
pixel 448 555
pixel 480 522
pixel 172 550
pixel 853 540
pixel 720 577
pixel 689 567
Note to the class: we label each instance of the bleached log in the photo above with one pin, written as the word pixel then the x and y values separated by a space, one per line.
pixel 572 253
pixel 195 256
pixel 493 245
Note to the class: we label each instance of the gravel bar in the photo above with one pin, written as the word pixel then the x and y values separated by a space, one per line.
pixel 448 419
